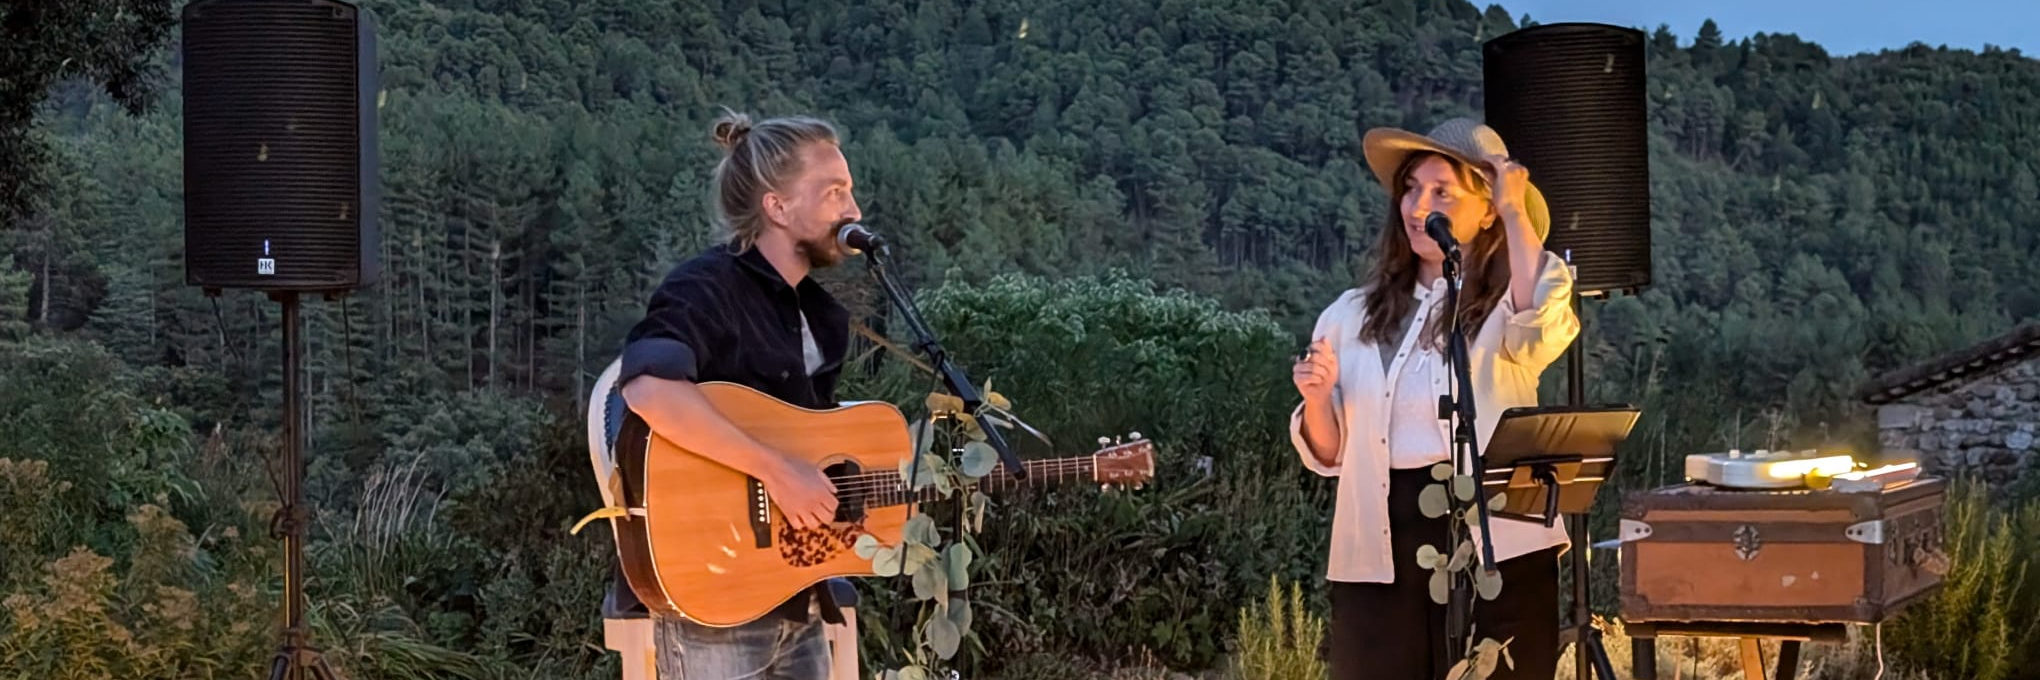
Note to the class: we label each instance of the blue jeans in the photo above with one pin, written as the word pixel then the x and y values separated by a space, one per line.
pixel 770 648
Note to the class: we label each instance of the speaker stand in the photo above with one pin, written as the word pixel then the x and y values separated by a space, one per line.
pixel 1588 654
pixel 296 659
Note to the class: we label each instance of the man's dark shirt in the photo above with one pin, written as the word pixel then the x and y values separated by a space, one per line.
pixel 725 316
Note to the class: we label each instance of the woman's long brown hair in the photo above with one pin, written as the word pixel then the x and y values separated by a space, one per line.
pixel 1394 276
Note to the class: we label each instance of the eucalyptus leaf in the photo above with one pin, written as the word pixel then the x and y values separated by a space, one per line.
pixel 1458 671
pixel 886 562
pixel 1484 662
pixel 866 546
pixel 1441 471
pixel 978 502
pixel 943 636
pixel 914 673
pixel 918 556
pixel 921 432
pixel 1428 556
pixel 1507 659
pixel 1433 502
pixel 1459 559
pixel 894 675
pixel 1462 486
pixel 959 614
pixel 979 459
pixel 958 561
pixel 1488 583
pixel 1441 587
pixel 1498 501
pixel 931 583
pixel 1472 515
pixel 923 530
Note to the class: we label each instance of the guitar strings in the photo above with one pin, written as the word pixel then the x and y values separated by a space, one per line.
pixel 1053 466
pixel 874 483
pixel 883 480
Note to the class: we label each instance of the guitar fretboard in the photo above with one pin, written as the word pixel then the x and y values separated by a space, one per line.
pixel 879 490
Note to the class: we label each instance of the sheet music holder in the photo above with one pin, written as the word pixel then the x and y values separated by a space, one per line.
pixel 1552 460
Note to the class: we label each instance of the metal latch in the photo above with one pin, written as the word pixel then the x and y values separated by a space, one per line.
pixel 1634 530
pixel 1871 532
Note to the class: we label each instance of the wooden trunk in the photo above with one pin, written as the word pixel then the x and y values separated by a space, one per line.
pixel 1693 552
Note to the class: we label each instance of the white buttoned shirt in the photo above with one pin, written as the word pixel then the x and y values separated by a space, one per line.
pixel 1506 355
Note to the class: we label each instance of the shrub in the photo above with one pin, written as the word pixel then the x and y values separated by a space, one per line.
pixel 1279 639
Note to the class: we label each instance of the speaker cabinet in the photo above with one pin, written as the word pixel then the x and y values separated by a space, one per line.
pixel 280 181
pixel 1569 100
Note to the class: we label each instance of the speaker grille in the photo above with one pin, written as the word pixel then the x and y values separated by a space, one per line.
pixel 279 145
pixel 1569 100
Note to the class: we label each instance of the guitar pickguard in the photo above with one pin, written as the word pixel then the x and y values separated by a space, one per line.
pixel 810 547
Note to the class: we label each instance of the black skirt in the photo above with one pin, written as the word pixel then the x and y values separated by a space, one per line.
pixel 1393 631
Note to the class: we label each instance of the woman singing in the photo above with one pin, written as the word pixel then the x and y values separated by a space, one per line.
pixel 1371 384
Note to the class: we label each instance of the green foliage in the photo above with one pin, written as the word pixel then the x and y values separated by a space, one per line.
pixel 1984 622
pixel 1279 640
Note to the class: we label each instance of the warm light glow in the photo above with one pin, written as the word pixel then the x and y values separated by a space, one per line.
pixel 1794 469
pixel 1888 469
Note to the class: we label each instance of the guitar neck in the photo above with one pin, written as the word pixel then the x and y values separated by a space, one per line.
pixel 1055 471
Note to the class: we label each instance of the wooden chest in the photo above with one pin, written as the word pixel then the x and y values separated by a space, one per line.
pixel 1699 553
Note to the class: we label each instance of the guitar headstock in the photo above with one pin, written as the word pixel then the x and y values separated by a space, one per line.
pixel 1125 461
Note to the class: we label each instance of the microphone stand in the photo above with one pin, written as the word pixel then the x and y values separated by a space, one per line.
pixel 953 377
pixel 1466 445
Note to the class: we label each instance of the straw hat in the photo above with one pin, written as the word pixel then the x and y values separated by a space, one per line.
pixel 1462 139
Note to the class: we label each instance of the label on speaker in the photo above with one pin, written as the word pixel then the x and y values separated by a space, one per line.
pixel 265 267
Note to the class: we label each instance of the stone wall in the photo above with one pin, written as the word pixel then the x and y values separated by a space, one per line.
pixel 1990 426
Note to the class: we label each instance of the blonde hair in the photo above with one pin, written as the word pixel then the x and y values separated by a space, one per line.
pixel 758 158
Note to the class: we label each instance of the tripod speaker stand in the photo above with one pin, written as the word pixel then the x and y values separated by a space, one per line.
pixel 296 659
pixel 281 195
pixel 1570 100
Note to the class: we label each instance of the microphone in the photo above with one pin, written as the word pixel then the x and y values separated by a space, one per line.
pixel 1439 227
pixel 854 239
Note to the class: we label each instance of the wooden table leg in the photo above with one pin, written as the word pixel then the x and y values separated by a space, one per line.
pixel 1752 659
pixel 1643 658
pixel 1788 659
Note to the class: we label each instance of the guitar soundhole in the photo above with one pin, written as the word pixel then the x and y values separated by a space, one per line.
pixel 849 500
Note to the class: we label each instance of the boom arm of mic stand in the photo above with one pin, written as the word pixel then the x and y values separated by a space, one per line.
pixel 954 378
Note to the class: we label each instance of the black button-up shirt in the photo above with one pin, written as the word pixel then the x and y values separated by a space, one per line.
pixel 726 316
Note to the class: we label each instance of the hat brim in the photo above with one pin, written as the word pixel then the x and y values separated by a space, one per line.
pixel 1388 148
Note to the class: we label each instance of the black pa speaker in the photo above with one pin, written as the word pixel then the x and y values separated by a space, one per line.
pixel 280 181
pixel 1569 101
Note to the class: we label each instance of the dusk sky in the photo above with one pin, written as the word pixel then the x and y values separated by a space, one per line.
pixel 1842 26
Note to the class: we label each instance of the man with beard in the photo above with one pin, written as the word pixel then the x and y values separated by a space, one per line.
pixel 745 311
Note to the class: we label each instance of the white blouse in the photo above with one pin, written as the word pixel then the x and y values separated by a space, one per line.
pixel 1416 436
pixel 1506 355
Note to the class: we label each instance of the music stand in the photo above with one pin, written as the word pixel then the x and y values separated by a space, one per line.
pixel 1550 461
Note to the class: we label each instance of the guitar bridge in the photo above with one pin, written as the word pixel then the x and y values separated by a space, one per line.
pixel 761 514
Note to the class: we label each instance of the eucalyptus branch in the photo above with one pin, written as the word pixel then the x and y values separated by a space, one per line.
pixel 1451 496
pixel 950 458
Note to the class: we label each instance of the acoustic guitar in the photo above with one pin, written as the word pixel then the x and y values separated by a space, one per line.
pixel 703 541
